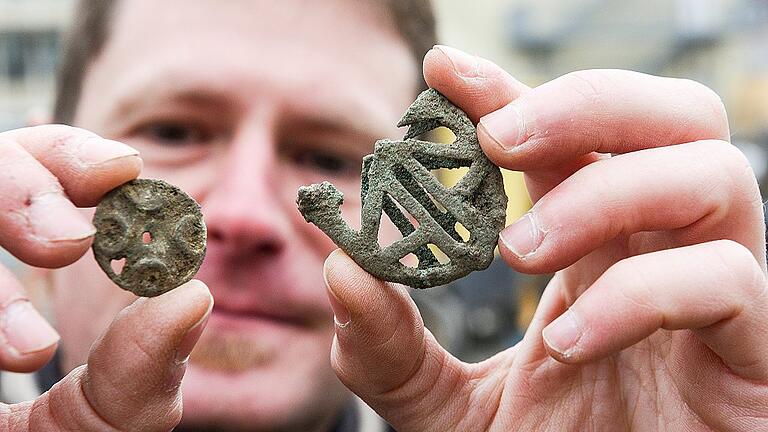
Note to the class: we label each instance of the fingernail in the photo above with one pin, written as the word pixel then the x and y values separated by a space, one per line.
pixel 54 218
pixel 25 330
pixel 563 334
pixel 189 340
pixel 505 127
pixel 341 314
pixel 98 151
pixel 465 65
pixel 523 237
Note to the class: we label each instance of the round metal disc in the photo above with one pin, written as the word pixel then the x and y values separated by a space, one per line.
pixel 150 237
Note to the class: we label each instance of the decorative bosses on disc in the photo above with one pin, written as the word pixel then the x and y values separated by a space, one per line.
pixel 150 237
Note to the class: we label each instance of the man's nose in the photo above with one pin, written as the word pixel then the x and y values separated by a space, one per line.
pixel 243 209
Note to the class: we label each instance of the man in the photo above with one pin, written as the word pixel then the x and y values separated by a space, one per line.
pixel 266 97
pixel 660 292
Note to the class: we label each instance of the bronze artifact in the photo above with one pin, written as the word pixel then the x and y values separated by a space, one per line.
pixel 399 173
pixel 155 231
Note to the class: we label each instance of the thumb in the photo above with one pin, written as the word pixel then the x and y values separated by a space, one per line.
pixel 383 353
pixel 133 376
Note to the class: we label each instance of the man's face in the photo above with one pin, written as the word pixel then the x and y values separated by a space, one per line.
pixel 239 103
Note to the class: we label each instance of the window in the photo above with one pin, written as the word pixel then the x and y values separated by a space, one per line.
pixel 28 55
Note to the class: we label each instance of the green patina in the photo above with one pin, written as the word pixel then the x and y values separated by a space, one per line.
pixel 157 230
pixel 400 172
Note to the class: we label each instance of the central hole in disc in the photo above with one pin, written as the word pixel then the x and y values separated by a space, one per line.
pixel 146 237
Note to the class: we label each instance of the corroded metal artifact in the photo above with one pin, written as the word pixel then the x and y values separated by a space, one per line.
pixel 154 231
pixel 397 177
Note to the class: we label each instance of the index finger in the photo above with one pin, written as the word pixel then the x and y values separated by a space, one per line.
pixel 603 111
pixel 555 129
pixel 43 171
pixel 480 88
pixel 86 165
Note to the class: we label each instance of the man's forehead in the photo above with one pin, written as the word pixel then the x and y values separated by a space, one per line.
pixel 285 17
pixel 336 50
pixel 296 38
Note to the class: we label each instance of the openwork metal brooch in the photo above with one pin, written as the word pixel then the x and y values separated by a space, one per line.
pixel 398 180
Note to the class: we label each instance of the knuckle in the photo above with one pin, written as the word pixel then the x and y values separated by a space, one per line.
pixel 592 184
pixel 61 131
pixel 490 72
pixel 66 139
pixel 735 160
pixel 725 149
pixel 590 84
pixel 728 155
pixel 162 417
pixel 74 390
pixel 627 275
pixel 144 348
pixel 717 116
pixel 740 265
pixel 735 168
pixel 52 141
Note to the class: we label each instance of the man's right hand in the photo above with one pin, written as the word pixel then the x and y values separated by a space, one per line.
pixel 134 370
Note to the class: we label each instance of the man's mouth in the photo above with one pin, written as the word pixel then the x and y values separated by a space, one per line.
pixel 240 340
pixel 226 316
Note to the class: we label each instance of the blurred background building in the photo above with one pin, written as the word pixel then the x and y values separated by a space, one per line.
pixel 721 43
pixel 30 31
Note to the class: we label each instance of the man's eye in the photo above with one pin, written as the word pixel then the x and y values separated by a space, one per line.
pixel 329 163
pixel 177 134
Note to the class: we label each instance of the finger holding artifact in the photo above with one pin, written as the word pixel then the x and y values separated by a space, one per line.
pixel 86 165
pixel 40 225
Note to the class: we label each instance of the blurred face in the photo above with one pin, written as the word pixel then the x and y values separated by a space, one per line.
pixel 239 103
